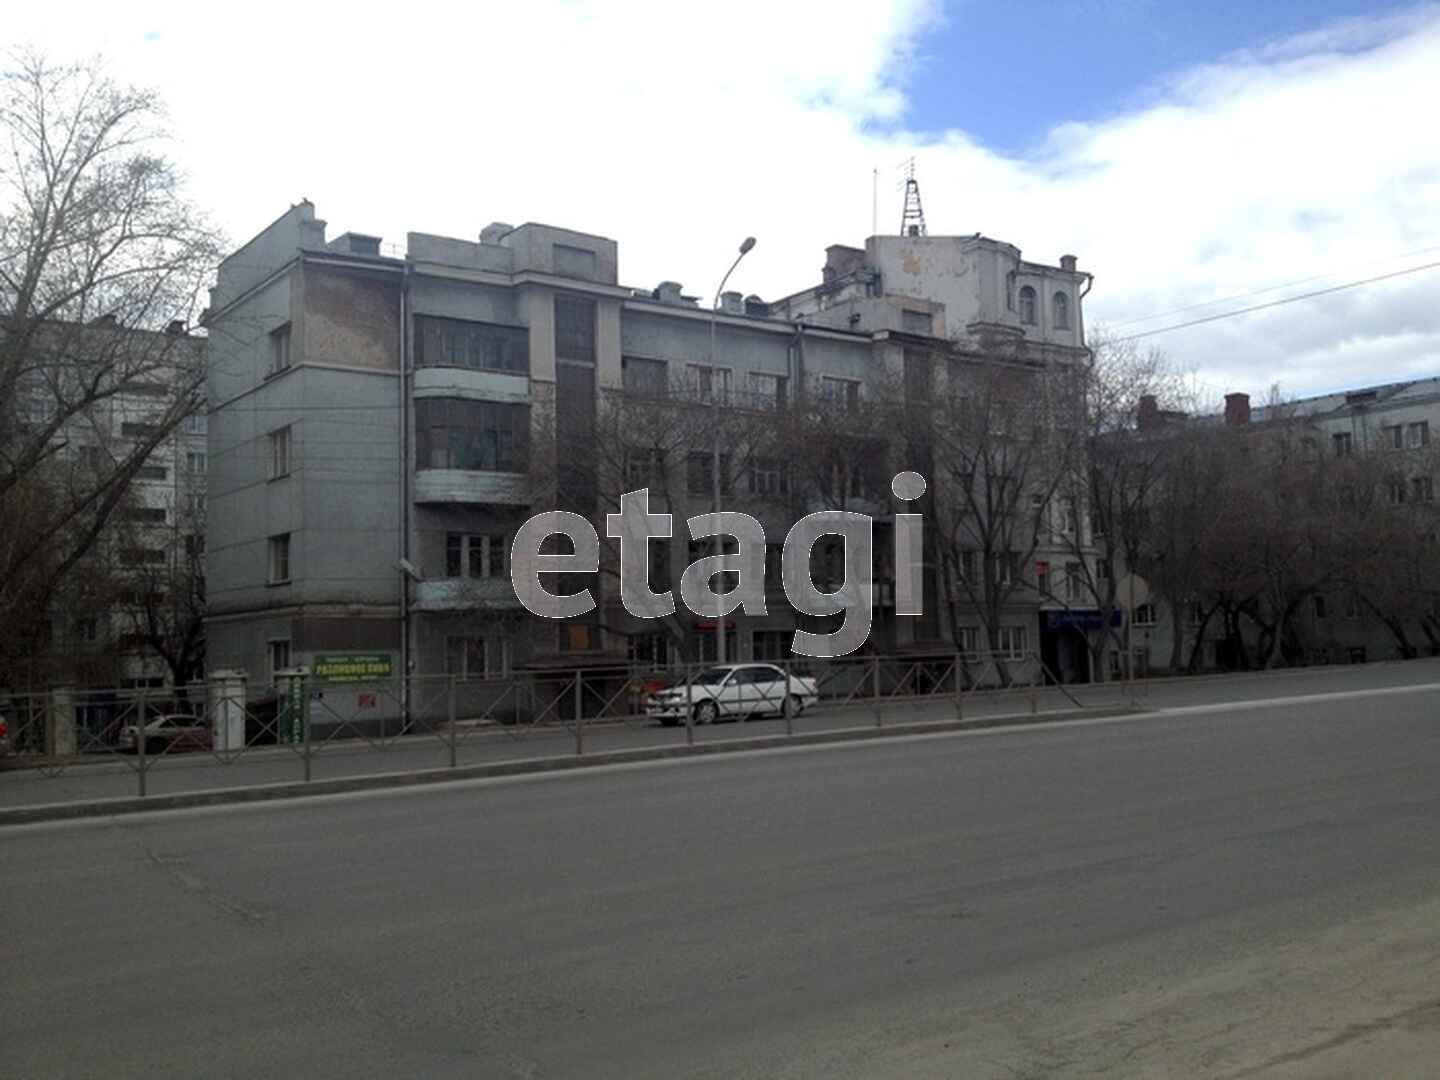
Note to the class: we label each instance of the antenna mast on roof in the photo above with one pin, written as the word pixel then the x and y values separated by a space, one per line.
pixel 912 217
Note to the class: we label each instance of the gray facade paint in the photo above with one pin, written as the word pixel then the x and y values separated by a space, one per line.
pixel 343 398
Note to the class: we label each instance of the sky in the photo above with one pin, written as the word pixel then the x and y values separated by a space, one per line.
pixel 1197 157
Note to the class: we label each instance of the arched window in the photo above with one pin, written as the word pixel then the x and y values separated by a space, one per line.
pixel 1027 306
pixel 1062 311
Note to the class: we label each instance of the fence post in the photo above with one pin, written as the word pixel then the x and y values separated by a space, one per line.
pixel 875 692
pixel 305 724
pixel 690 708
pixel 789 717
pixel 450 713
pixel 959 688
pixel 140 739
pixel 579 713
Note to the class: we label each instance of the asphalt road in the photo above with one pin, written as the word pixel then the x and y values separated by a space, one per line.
pixel 1232 891
pixel 108 776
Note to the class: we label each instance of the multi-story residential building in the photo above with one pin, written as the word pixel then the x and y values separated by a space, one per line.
pixel 377 418
pixel 142 581
pixel 1383 434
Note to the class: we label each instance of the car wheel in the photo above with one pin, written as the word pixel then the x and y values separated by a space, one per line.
pixel 707 712
pixel 791 707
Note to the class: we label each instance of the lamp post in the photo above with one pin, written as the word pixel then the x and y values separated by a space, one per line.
pixel 745 246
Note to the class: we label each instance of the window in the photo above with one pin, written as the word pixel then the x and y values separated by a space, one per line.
pixel 1061 305
pixel 1417 435
pixel 1393 437
pixel 151 472
pixel 1319 603
pixel 1102 570
pixel 969 642
pixel 576 637
pixel 195 463
pixel 1042 578
pixel 575 328
pixel 700 470
pixel 1027 306
pixel 1422 489
pixel 847 480
pixel 646 378
pixel 767 477
pixel 917 377
pixel 1352 604
pixel 1074 582
pixel 1395 488
pixel 472 555
pixel 279 453
pixel 197 424
pixel 967 565
pixel 484 435
pixel 1343 443
pixel 151 515
pixel 844 392
pixel 706 382
pixel 132 430
pixel 280 349
pixel 916 322
pixel 768 391
pixel 280 559
pixel 644 467
pixel 1014 642
pixel 279 657
pixel 87 628
pixel 1145 615
pixel 774 569
pixel 1005 567
pixel 478 346
pixel 468 657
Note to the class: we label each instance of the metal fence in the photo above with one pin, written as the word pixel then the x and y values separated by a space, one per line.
pixel 125 742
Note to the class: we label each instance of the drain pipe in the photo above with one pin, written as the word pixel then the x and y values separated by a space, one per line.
pixel 403 381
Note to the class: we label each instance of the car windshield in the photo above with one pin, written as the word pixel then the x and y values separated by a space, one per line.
pixel 712 676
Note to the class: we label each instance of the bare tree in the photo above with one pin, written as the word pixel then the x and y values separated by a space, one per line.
pixel 98 250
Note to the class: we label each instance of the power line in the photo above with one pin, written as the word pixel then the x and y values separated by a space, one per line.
pixel 1279 303
pixel 1262 292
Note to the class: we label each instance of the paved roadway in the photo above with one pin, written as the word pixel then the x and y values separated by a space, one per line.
pixel 1232 891
pixel 114 775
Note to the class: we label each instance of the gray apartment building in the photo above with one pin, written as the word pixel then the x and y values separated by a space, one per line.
pixel 373 413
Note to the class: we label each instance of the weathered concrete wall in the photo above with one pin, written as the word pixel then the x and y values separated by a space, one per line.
pixel 351 319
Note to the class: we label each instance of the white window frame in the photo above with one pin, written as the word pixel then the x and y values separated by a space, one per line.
pixel 1417 434
pixel 491 648
pixel 768 391
pixel 486 544
pixel 1145 614
pixel 280 349
pixel 702 380
pixel 273 648
pixel 1013 642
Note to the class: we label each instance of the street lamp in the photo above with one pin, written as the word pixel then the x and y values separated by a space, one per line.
pixel 746 245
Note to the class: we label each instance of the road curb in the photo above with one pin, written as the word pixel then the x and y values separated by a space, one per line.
pixel 25 815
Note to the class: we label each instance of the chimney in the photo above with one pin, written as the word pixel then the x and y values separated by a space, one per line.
pixel 731 303
pixel 493 232
pixel 176 327
pixel 668 292
pixel 1147 416
pixel 1067 262
pixel 1237 409
pixel 353 243
pixel 756 308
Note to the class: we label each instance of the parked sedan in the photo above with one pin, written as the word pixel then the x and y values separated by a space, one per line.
pixel 739 691
pixel 172 732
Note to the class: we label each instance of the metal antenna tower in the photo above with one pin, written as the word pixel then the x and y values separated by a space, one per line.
pixel 912 217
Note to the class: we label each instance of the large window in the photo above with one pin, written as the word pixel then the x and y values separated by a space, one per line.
pixel 837 391
pixel 455 434
pixel 1014 642
pixel 575 328
pixel 1027 306
pixel 706 382
pixel 280 349
pixel 700 472
pixel 645 378
pixel 768 391
pixel 468 657
pixel 475 555
pixel 475 345
pixel 767 477
pixel 1061 305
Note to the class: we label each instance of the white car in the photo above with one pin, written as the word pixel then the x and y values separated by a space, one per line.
pixel 166 733
pixel 739 691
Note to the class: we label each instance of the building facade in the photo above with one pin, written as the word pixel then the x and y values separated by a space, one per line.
pixel 381 422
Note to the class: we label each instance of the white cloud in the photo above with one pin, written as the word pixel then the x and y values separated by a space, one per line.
pixel 678 130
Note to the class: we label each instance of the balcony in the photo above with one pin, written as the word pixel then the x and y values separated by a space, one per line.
pixel 465 594
pixel 470 486
pixel 463 383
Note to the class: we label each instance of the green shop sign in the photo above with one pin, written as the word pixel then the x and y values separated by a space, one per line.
pixel 351 667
